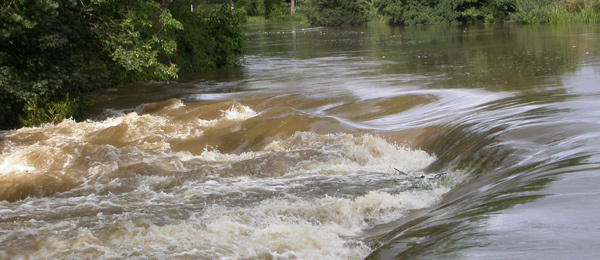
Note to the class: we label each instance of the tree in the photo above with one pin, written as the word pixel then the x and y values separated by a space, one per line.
pixel 51 52
pixel 47 58
pixel 411 12
pixel 335 12
pixel 213 37
pixel 293 7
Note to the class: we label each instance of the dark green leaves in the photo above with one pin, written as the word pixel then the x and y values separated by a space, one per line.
pixel 51 52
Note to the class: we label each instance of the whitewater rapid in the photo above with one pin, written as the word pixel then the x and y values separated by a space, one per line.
pixel 133 186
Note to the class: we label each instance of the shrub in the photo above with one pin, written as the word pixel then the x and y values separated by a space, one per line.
pixel 391 10
pixel 493 11
pixel 412 12
pixel 532 11
pixel 587 15
pixel 212 38
pixel 334 12
pixel 47 53
pixel 251 7
pixel 51 52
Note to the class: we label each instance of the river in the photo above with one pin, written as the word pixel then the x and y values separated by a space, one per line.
pixel 376 142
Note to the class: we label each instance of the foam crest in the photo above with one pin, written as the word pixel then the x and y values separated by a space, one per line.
pixel 239 113
pixel 153 126
pixel 40 161
pixel 307 153
pixel 14 163
pixel 346 153
pixel 342 216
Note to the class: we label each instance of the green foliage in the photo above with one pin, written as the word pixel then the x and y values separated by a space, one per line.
pixel 429 12
pixel 557 11
pixel 392 10
pixel 51 52
pixel 416 12
pixel 275 9
pixel 267 10
pixel 46 53
pixel 139 37
pixel 577 11
pixel 251 7
pixel 213 38
pixel 334 12
pixel 278 11
pixel 493 11
pixel 533 11
pixel 53 111
pixel 413 12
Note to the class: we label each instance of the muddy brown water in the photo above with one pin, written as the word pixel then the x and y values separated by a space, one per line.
pixel 377 142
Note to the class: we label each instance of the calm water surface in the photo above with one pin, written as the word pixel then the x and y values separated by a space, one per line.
pixel 376 142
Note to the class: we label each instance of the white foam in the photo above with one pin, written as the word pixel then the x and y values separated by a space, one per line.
pixel 239 113
pixel 348 153
pixel 288 228
pixel 234 113
pixel 14 163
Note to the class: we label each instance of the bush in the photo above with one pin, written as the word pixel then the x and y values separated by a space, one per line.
pixel 212 38
pixel 577 11
pixel 51 52
pixel 533 11
pixel 47 53
pixel 413 12
pixel 54 111
pixel 391 10
pixel 251 7
pixel 429 12
pixel 278 11
pixel 556 12
pixel 493 11
pixel 334 12
pixel 269 9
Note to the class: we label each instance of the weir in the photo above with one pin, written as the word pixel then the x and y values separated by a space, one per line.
pixel 373 142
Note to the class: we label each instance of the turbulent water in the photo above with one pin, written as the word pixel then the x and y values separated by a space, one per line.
pixel 343 143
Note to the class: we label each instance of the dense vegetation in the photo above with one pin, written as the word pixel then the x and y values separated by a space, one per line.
pixel 415 12
pixel 335 12
pixel 52 52
pixel 270 9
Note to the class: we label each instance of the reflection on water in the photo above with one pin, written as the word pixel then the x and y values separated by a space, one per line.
pixel 330 143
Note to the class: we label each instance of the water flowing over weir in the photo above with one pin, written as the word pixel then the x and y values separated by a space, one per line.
pixel 344 143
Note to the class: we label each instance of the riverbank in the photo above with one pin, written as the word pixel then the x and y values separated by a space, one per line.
pixel 53 53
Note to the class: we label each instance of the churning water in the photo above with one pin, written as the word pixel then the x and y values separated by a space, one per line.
pixel 366 142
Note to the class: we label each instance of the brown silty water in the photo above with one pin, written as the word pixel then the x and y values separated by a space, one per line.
pixel 371 142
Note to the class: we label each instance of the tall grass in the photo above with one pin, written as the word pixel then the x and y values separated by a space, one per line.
pixel 54 111
pixel 586 15
pixel 557 11
pixel 532 11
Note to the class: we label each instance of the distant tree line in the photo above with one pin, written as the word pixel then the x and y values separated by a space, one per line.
pixel 52 52
pixel 418 12
pixel 411 12
pixel 269 9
